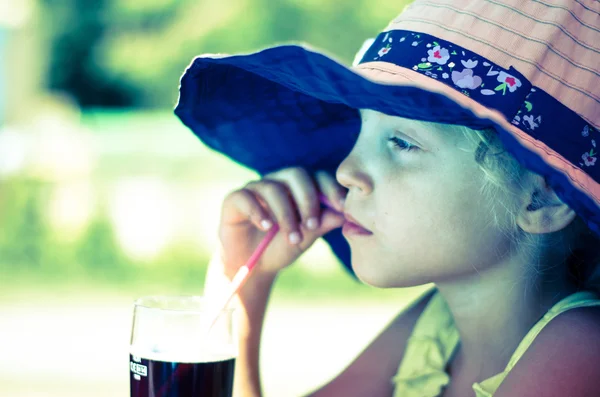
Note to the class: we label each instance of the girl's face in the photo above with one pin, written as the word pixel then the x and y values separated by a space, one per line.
pixel 416 187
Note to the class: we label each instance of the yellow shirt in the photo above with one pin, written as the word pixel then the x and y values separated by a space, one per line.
pixel 434 338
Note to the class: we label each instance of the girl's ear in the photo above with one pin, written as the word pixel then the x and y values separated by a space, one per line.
pixel 541 210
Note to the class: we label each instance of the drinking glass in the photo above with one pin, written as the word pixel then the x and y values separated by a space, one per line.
pixel 173 353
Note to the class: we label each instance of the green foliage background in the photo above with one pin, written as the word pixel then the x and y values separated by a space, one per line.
pixel 127 53
pixel 121 60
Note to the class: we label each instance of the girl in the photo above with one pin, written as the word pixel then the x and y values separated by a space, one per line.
pixel 470 164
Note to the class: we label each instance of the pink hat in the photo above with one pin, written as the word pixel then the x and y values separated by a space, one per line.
pixel 529 69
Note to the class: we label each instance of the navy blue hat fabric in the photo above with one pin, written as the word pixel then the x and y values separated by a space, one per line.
pixel 289 106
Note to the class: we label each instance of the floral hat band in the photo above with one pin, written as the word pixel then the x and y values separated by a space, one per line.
pixel 527 69
pixel 507 91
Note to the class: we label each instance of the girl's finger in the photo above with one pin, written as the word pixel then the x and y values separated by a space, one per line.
pixel 329 220
pixel 280 203
pixel 329 186
pixel 247 207
pixel 304 192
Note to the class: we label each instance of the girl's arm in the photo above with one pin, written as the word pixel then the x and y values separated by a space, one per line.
pixel 563 360
pixel 370 374
pixel 290 198
pixel 251 303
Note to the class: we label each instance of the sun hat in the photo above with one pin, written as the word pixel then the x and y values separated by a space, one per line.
pixel 528 69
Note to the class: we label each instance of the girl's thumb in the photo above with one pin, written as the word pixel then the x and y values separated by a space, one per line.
pixel 330 220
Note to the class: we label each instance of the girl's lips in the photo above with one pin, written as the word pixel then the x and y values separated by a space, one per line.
pixel 352 227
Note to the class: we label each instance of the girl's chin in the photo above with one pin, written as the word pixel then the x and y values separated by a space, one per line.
pixel 376 279
pixel 369 274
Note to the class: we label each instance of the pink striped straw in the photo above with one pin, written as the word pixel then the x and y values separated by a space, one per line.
pixel 242 274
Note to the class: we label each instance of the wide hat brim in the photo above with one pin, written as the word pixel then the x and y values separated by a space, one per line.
pixel 292 106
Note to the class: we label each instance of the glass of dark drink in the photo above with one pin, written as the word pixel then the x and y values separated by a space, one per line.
pixel 173 353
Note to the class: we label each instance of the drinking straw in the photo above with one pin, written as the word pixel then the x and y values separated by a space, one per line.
pixel 236 283
pixel 242 274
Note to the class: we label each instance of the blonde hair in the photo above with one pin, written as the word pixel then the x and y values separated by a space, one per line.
pixel 503 174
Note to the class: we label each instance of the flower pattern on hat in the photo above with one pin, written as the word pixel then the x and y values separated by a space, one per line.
pixel 498 87
pixel 469 64
pixel 586 131
pixel 438 60
pixel 438 55
pixel 466 79
pixel 387 40
pixel 508 81
pixel 524 118
pixel 590 157
pixel 531 121
pixel 384 50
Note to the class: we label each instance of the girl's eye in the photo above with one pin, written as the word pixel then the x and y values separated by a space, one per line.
pixel 402 144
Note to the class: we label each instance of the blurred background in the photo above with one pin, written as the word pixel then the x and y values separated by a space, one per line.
pixel 105 196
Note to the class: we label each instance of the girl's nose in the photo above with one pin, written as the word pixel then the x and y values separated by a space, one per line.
pixel 351 174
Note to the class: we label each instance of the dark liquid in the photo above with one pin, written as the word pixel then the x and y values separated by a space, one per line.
pixel 150 378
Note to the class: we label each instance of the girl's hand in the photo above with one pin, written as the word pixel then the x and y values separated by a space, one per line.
pixel 290 198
